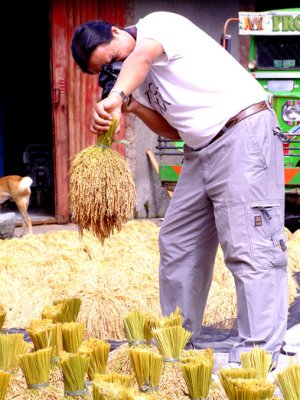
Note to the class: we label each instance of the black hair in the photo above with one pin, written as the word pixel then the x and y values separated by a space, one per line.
pixel 86 38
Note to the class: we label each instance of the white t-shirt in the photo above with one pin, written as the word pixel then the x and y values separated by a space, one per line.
pixel 196 84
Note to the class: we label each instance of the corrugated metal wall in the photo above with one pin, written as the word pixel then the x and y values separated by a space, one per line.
pixel 73 93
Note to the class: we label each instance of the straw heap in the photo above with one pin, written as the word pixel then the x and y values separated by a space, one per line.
pixel 72 335
pixel 74 367
pixel 289 382
pixel 36 368
pixel 147 368
pixel 259 359
pixel 171 341
pixel 102 190
pixel 97 350
pixel 109 391
pixel 4 381
pixel 2 316
pixel 11 346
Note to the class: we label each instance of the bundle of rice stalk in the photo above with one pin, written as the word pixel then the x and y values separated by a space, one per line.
pixel 174 319
pixel 4 381
pixel 289 382
pixel 65 310
pixel 74 368
pixel 2 316
pixel 232 374
pixel 44 333
pixel 11 346
pixel 197 367
pixel 249 389
pixel 134 327
pixel 124 380
pixel 97 350
pixel 36 368
pixel 72 336
pixel 147 368
pixel 150 323
pixel 102 190
pixel 171 341
pixel 259 359
pixel 109 391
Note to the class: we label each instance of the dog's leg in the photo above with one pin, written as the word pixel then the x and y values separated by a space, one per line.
pixel 23 206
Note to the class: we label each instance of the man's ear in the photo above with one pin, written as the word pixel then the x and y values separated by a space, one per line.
pixel 115 31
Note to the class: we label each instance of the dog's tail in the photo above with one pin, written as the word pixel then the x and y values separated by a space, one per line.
pixel 24 185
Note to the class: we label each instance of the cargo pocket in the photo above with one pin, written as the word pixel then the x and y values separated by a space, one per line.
pixel 266 232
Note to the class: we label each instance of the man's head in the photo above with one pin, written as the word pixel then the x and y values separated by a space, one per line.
pixel 87 37
pixel 97 42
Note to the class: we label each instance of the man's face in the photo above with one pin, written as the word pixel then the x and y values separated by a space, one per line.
pixel 118 49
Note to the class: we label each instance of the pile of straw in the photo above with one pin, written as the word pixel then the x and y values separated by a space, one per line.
pixel 102 190
pixel 2 316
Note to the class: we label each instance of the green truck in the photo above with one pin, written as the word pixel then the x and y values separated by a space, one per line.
pixel 274 60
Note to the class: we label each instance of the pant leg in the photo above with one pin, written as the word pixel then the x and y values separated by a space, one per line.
pixel 246 186
pixel 188 243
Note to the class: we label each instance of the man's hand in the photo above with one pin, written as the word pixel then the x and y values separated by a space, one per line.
pixel 104 112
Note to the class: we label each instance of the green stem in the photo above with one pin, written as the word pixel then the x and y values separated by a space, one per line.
pixel 107 138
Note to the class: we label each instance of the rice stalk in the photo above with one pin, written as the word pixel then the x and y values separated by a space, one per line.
pixel 147 368
pixel 2 316
pixel 102 190
pixel 134 327
pixel 97 350
pixel 4 381
pixel 36 368
pixel 150 323
pixel 11 346
pixel 74 367
pixel 289 382
pixel 72 336
pixel 171 341
pixel 259 359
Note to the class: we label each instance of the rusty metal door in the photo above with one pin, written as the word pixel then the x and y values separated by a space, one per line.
pixel 73 93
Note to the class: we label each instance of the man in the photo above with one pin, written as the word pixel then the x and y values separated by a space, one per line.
pixel 231 188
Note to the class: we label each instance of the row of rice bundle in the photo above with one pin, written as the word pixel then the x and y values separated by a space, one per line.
pixel 72 336
pixel 259 359
pixel 97 350
pixel 289 382
pixel 36 368
pixel 2 316
pixel 147 368
pixel 4 381
pixel 197 367
pixel 74 368
pixel 65 310
pixel 171 341
pixel 102 189
pixel 11 347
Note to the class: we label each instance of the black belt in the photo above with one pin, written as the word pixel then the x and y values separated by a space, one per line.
pixel 255 108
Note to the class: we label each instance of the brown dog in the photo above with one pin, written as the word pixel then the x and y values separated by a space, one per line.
pixel 17 189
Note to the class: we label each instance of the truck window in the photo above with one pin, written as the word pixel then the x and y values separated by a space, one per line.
pixel 278 52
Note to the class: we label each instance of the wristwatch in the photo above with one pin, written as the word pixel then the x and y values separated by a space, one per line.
pixel 126 99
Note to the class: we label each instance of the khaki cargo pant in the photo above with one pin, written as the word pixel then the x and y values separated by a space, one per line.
pixel 232 193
